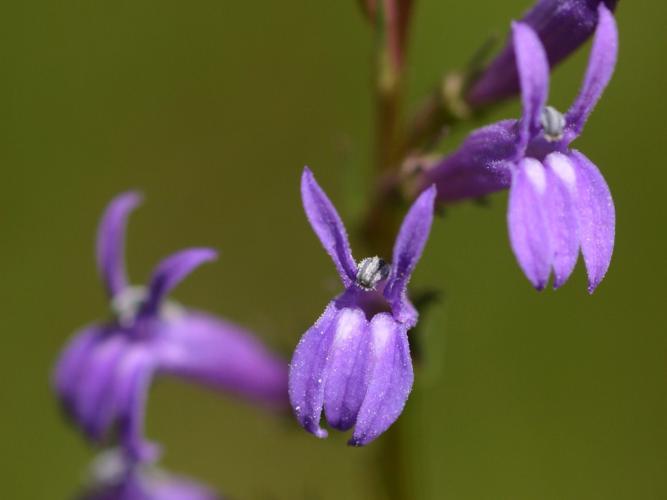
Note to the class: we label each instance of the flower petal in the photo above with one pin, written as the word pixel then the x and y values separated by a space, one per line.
pixel 133 380
pixel 328 226
pixel 346 371
pixel 161 487
pixel 113 476
pixel 408 248
pixel 213 352
pixel 601 66
pixel 94 409
pixel 561 211
pixel 111 241
pixel 533 69
pixel 72 362
pixel 596 218
pixel 171 271
pixel 306 375
pixel 563 26
pixel 479 167
pixel 390 381
pixel 528 223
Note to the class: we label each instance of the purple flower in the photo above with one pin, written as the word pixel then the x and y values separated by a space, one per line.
pixel 354 362
pixel 115 478
pixel 559 202
pixel 103 376
pixel 561 25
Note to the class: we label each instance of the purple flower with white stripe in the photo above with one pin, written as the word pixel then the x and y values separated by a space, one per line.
pixel 103 376
pixel 559 202
pixel 113 477
pixel 561 25
pixel 354 362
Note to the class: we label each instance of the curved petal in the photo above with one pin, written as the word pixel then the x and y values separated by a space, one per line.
pixel 328 226
pixel 347 369
pixel 94 409
pixel 111 241
pixel 133 380
pixel 601 66
pixel 408 248
pixel 171 271
pixel 533 69
pixel 477 168
pixel 561 211
pixel 113 388
pixel 596 218
pixel 562 25
pixel 306 374
pixel 528 223
pixel 390 381
pixel 221 355
pixel 72 361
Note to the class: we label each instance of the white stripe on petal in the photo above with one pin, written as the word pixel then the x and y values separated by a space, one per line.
pixel 536 174
pixel 563 168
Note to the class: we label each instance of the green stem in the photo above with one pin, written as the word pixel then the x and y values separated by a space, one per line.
pixel 379 231
pixel 400 446
pixel 393 464
pixel 396 142
pixel 381 222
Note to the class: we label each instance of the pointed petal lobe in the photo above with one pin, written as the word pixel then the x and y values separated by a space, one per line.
pixel 409 246
pixel 390 379
pixel 601 66
pixel 347 370
pixel 111 241
pixel 306 375
pixel 561 212
pixel 94 407
pixel 562 25
pixel 131 386
pixel 72 362
pixel 527 221
pixel 596 218
pixel 328 226
pixel 171 271
pixel 533 69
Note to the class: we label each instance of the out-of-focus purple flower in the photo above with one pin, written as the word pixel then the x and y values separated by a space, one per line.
pixel 116 478
pixel 561 25
pixel 559 202
pixel 103 376
pixel 354 362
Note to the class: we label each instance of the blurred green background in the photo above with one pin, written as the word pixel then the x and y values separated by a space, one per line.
pixel 212 108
